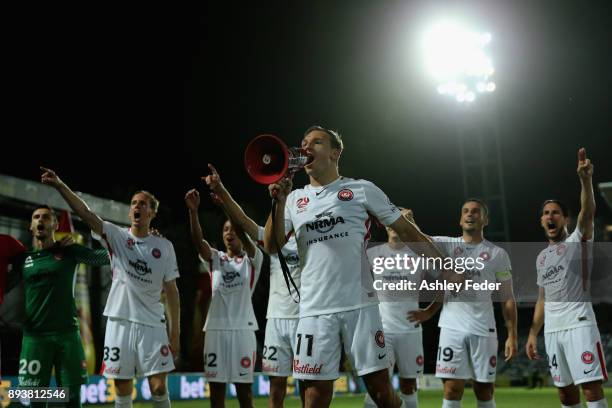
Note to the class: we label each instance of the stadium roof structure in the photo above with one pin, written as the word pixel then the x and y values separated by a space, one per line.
pixel 38 193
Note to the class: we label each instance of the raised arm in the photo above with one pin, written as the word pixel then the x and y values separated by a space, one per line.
pixel 587 198
pixel 279 190
pixel 192 200
pixel 229 205
pixel 412 236
pixel 75 202
pixel 174 312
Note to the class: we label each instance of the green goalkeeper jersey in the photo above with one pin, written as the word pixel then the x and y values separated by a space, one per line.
pixel 49 277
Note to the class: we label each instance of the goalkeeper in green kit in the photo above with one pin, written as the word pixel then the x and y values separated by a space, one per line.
pixel 51 336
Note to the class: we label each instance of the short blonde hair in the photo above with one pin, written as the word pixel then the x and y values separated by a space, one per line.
pixel 154 202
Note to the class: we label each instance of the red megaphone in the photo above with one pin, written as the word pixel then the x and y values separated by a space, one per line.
pixel 268 159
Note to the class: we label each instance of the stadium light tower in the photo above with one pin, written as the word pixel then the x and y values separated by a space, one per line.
pixel 458 60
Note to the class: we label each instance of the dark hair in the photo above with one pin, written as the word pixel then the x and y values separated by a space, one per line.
pixel 334 136
pixel 564 209
pixel 154 202
pixel 45 207
pixel 483 205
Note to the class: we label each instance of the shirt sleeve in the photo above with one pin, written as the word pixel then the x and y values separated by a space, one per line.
pixel 378 204
pixel 257 261
pixel 444 244
pixel 261 231
pixel 94 257
pixel 172 271
pixel 503 270
pixel 214 260
pixel 288 211
pixel 577 236
pixel 111 236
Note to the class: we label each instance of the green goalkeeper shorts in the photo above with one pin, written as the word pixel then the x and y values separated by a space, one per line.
pixel 41 353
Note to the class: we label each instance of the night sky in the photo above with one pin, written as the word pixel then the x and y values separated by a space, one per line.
pixel 121 99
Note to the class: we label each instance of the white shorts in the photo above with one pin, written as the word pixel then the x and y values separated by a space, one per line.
pixel 277 359
pixel 319 338
pixel 575 356
pixel 229 356
pixel 406 350
pixel 135 350
pixel 464 355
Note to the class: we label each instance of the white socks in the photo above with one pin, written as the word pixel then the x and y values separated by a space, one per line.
pixel 161 401
pixel 602 403
pixel 410 400
pixel 451 404
pixel 123 401
pixel 486 404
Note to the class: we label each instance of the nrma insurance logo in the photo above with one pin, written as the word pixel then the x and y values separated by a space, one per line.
pixel 324 222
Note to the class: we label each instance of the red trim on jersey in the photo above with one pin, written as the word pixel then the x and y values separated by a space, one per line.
pixel 210 272
pixel 289 234
pixel 368 224
pixel 602 361
pixel 252 273
pixel 585 266
pixel 102 368
pixel 108 246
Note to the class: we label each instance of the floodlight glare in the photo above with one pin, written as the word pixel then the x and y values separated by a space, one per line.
pixel 457 59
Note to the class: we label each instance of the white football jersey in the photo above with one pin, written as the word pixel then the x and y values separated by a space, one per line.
pixel 140 266
pixel 563 271
pixel 332 227
pixel 394 313
pixel 233 282
pixel 281 305
pixel 472 311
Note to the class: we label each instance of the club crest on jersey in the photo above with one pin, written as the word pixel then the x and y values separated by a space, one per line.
pixel 245 362
pixel 130 243
pixel 345 194
pixel 379 337
pixel 156 253
pixel 302 203
pixel 588 357
pixel 561 249
pixel 324 222
pixel 419 360
pixel 165 350
pixel 29 262
pixel 542 260
pixel 458 251
pixel 485 256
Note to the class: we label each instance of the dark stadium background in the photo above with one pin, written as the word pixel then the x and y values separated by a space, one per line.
pixel 118 99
